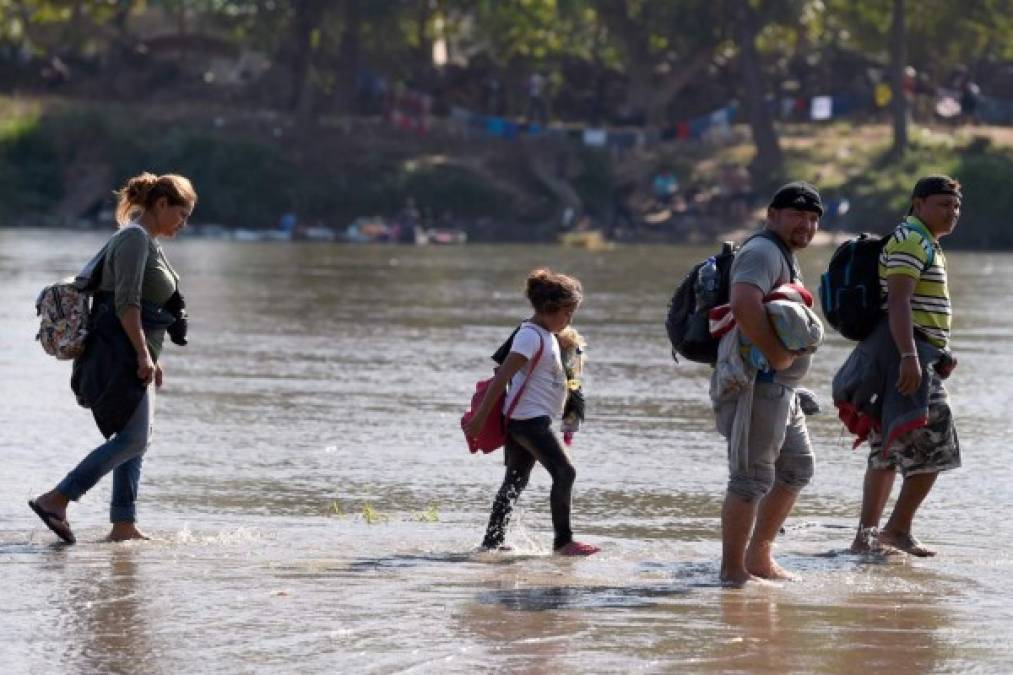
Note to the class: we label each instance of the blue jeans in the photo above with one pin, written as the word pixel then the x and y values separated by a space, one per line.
pixel 122 454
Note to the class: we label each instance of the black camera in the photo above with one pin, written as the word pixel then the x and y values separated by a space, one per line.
pixel 177 330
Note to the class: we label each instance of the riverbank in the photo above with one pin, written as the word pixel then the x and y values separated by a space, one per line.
pixel 60 158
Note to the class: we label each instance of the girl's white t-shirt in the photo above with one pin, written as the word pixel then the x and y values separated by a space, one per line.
pixel 545 393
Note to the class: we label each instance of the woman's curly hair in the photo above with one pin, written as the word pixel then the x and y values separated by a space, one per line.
pixel 549 291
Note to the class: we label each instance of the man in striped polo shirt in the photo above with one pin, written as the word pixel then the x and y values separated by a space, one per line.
pixel 912 275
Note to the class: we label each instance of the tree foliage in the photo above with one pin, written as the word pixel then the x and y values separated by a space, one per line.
pixel 628 61
pixel 655 49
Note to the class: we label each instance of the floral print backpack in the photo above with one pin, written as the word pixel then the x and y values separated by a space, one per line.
pixel 64 308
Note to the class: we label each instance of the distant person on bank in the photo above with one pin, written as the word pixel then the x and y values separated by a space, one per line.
pixel 901 367
pixel 772 460
pixel 137 302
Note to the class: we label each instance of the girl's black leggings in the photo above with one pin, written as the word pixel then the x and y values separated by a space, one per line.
pixel 529 441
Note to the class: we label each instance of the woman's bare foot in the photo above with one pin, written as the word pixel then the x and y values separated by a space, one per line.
pixel 125 531
pixel 905 542
pixel 760 562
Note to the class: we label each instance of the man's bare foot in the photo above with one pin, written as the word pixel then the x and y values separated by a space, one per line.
pixel 737 578
pixel 769 569
pixel 760 562
pixel 125 532
pixel 868 542
pixel 905 542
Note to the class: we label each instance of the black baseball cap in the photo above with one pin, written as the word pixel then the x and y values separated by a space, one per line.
pixel 798 195
pixel 936 185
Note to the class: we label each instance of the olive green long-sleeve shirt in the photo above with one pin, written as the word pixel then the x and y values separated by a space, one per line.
pixel 136 269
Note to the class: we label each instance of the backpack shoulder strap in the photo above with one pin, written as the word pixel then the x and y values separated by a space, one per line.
pixel 927 245
pixel 90 276
pixel 789 259
pixel 499 356
pixel 531 371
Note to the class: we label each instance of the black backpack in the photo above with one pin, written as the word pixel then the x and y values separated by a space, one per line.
pixel 688 326
pixel 850 293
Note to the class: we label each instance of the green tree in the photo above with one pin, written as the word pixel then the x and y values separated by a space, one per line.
pixel 665 46
pixel 769 158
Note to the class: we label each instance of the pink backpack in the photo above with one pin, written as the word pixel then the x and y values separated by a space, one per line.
pixel 493 433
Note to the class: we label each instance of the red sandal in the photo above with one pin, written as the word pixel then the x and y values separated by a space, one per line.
pixel 576 548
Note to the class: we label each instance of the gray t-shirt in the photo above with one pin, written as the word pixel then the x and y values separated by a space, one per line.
pixel 761 263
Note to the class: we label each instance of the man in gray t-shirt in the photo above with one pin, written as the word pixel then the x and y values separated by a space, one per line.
pixel 778 460
pixel 764 263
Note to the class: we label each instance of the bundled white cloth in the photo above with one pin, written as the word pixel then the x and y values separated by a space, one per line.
pixel 797 326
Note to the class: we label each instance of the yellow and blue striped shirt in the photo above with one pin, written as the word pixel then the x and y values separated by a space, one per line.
pixel 908 253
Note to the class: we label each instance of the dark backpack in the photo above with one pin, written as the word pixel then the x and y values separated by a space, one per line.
pixel 687 324
pixel 850 293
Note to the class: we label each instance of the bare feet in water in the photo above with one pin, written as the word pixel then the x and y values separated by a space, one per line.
pixel 905 542
pixel 125 532
pixel 772 571
pixel 868 541
pixel 737 579
pixel 760 562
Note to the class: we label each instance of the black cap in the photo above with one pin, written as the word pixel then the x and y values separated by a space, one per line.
pixel 798 195
pixel 936 185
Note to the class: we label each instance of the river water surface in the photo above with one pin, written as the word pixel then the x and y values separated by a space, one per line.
pixel 314 507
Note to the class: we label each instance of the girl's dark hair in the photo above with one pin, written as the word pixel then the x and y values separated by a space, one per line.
pixel 549 291
pixel 142 192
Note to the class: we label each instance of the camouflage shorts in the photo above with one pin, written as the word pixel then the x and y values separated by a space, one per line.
pixel 929 449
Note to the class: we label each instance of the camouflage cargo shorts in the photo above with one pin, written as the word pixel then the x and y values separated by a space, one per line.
pixel 929 449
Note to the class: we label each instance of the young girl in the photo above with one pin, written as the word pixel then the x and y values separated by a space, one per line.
pixel 555 298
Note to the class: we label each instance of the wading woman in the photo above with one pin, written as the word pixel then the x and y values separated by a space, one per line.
pixel 136 301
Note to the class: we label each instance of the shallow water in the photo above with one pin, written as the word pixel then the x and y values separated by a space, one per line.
pixel 314 507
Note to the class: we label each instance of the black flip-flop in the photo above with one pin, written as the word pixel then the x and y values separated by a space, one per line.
pixel 60 527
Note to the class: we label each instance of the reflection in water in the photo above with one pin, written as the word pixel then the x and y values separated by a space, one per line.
pixel 108 617
pixel 904 638
pixel 535 641
pixel 409 561
pixel 541 642
pixel 756 638
pixel 771 632
pixel 575 597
